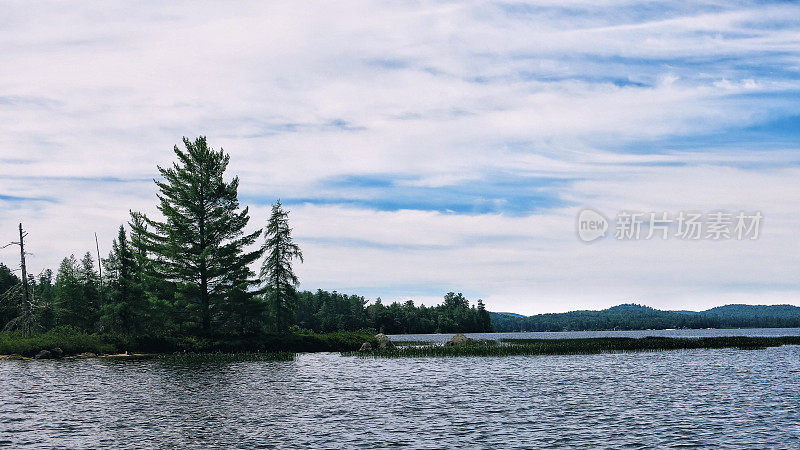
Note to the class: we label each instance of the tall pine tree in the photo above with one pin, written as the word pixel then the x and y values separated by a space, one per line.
pixel 201 243
pixel 277 271
pixel 126 308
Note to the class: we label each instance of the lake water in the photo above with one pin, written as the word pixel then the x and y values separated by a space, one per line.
pixel 686 398
pixel 441 338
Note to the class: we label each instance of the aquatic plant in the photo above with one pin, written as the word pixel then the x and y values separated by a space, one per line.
pixel 407 343
pixel 521 347
pixel 225 358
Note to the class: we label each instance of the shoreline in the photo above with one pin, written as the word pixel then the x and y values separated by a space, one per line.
pixel 458 345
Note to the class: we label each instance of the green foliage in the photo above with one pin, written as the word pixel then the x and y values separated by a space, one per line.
pixel 72 307
pixel 454 315
pixel 200 245
pixel 10 293
pixel 325 312
pixel 637 317
pixel 126 307
pixel 75 341
pixel 69 339
pixel 526 347
pixel 277 267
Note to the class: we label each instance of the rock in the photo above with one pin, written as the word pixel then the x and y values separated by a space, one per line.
pixel 365 347
pixel 11 357
pixel 87 355
pixel 459 339
pixel 44 354
pixel 57 352
pixel 383 341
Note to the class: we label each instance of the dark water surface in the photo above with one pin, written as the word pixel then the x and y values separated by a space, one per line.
pixel 707 332
pixel 685 398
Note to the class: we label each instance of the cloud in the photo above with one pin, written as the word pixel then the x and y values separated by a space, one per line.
pixel 423 147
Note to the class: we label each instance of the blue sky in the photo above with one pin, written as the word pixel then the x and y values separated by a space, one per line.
pixel 424 147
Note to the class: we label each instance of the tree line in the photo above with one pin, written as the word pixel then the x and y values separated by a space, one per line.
pixel 638 317
pixel 323 311
pixel 189 272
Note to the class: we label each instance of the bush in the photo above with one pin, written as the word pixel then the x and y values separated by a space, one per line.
pixel 70 341
pixel 73 341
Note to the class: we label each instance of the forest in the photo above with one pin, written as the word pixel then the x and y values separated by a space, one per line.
pixel 638 317
pixel 189 274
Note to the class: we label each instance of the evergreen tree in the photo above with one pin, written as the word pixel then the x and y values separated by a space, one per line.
pixel 90 282
pixel 201 244
pixel 165 315
pixel 10 292
pixel 126 307
pixel 484 319
pixel 44 294
pixel 276 270
pixel 70 305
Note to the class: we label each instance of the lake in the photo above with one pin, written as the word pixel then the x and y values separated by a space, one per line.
pixel 709 332
pixel 685 398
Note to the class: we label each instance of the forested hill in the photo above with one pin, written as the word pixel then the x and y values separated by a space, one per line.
pixel 638 317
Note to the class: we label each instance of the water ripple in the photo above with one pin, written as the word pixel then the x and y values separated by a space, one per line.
pixel 675 399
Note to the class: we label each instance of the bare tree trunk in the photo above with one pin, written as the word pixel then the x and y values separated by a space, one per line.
pixel 24 272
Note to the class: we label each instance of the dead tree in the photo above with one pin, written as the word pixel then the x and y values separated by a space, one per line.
pixel 26 320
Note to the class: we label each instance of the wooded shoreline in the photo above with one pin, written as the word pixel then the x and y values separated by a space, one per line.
pixel 76 345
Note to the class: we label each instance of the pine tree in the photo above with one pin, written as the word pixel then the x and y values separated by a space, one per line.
pixel 70 305
pixel 485 320
pixel 10 287
pixel 159 294
pixel 201 244
pixel 90 281
pixel 126 308
pixel 276 270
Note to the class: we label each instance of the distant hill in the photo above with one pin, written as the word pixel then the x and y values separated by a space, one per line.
pixel 510 314
pixel 639 317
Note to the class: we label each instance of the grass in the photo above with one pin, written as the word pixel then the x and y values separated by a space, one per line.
pixel 225 358
pixel 406 343
pixel 524 347
pixel 73 342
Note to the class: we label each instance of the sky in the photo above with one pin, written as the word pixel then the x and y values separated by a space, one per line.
pixel 424 147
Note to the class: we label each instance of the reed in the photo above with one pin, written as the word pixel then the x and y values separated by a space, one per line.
pixel 524 347
pixel 407 343
pixel 225 358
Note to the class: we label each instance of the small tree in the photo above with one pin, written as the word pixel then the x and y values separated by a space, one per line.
pixel 70 302
pixel 90 280
pixel 126 306
pixel 276 271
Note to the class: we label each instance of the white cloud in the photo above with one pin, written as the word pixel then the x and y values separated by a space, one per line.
pixel 434 95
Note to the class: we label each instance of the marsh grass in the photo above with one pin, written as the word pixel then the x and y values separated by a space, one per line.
pixel 408 343
pixel 224 358
pixel 523 347
pixel 73 342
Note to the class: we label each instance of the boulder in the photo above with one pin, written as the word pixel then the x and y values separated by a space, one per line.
pixel 383 341
pixel 44 354
pixel 459 339
pixel 11 357
pixel 57 352
pixel 365 347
